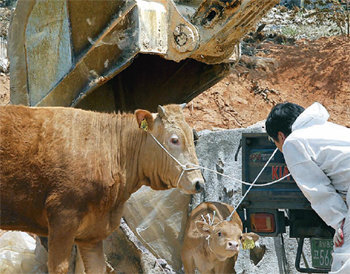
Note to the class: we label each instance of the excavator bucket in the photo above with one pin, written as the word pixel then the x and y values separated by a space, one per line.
pixel 124 54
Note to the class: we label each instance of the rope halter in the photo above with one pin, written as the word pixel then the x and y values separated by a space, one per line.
pixel 184 167
pixel 210 222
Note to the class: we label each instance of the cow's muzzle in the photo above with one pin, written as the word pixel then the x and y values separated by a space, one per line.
pixel 199 186
pixel 232 245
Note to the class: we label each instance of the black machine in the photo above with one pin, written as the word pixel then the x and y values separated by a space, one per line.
pixel 268 210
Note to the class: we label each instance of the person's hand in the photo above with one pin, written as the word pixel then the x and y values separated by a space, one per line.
pixel 338 238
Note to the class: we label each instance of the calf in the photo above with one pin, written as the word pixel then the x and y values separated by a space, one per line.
pixel 211 243
pixel 66 173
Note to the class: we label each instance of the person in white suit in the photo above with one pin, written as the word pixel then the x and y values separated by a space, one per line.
pixel 317 154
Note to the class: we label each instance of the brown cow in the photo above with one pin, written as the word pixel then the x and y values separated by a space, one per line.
pixel 211 243
pixel 66 173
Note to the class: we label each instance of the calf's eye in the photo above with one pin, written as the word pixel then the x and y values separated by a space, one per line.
pixel 219 234
pixel 240 237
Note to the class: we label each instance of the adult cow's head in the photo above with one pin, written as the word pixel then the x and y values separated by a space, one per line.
pixel 169 128
pixel 224 237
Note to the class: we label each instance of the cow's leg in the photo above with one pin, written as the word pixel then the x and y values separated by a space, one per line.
pixel 93 257
pixel 61 239
pixel 63 223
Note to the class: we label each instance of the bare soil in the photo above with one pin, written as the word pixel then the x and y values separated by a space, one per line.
pixel 302 73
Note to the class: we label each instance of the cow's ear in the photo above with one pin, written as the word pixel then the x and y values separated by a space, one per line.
pixel 203 228
pixel 250 236
pixel 248 240
pixel 144 119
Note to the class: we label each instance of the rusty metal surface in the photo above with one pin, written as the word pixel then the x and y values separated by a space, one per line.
pixel 227 26
pixel 63 51
pixel 16 52
pixel 47 41
pixel 88 19
pixel 109 54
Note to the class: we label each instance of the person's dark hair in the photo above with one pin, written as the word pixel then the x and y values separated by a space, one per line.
pixel 281 118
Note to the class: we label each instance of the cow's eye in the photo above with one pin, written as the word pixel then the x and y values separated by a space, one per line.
pixel 219 234
pixel 174 140
pixel 240 237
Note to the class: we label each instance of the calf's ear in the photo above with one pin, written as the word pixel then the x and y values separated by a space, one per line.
pixel 203 228
pixel 248 240
pixel 250 236
pixel 144 119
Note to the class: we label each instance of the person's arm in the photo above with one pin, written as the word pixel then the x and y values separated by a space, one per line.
pixel 314 184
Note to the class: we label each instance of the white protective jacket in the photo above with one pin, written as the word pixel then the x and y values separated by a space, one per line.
pixel 317 154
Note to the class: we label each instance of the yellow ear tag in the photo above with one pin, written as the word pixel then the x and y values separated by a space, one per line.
pixel 248 244
pixel 144 125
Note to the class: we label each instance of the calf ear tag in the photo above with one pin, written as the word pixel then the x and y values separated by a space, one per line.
pixel 248 243
pixel 144 125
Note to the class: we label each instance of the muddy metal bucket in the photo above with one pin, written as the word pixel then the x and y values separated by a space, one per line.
pixel 122 55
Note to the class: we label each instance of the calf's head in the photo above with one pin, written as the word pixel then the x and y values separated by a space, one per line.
pixel 224 238
pixel 170 129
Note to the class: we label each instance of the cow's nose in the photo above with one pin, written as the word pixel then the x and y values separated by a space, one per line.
pixel 199 186
pixel 232 245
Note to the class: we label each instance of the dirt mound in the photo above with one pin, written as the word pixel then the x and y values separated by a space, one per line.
pixel 302 73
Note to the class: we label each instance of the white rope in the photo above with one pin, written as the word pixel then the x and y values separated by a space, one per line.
pixel 243 182
pixel 185 168
pixel 257 177
pixel 210 222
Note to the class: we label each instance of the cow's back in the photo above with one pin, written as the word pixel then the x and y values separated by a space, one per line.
pixel 45 152
pixel 19 143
